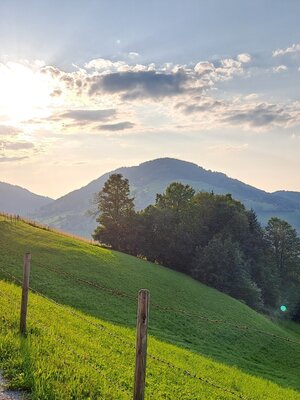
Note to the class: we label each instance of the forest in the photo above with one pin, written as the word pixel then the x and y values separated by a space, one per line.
pixel 212 238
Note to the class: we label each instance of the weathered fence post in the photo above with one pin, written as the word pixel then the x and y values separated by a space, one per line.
pixel 25 289
pixel 141 344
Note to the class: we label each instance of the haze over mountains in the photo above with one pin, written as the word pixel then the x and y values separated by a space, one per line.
pixel 17 200
pixel 69 213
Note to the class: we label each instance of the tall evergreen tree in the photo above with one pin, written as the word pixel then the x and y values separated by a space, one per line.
pixel 115 207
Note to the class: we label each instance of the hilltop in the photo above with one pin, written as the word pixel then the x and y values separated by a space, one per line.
pixel 191 325
pixel 69 212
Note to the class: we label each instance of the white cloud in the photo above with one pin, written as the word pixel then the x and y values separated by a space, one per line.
pixel 280 68
pixel 102 64
pixel 204 67
pixel 132 55
pixel 244 57
pixel 295 48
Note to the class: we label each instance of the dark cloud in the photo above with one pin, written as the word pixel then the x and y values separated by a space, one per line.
pixel 17 145
pixel 253 115
pixel 54 72
pixel 56 93
pixel 68 81
pixel 6 130
pixel 10 159
pixel 142 84
pixel 120 126
pixel 259 116
pixel 198 107
pixel 88 115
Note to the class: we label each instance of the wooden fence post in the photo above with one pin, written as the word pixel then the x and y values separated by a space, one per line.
pixel 25 289
pixel 141 344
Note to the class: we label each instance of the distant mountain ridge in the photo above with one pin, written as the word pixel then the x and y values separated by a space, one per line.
pixel 17 200
pixel 69 212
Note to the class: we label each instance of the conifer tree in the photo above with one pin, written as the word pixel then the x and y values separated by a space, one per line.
pixel 115 207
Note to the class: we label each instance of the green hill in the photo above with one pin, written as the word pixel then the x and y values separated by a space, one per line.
pixel 83 346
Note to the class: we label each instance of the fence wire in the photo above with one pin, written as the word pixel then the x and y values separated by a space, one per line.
pixel 120 338
pixel 180 312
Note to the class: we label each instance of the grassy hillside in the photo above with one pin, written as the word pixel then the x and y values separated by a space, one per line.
pixel 192 327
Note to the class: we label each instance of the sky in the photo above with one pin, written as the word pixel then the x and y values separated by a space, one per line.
pixel 87 87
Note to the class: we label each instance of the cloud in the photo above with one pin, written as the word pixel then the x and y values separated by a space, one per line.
pixel 222 70
pixel 50 70
pixel 102 64
pixel 11 159
pixel 204 67
pixel 295 48
pixel 187 95
pixel 203 105
pixel 228 68
pixel 120 126
pixel 149 81
pixel 132 55
pixel 16 145
pixel 260 115
pixel 244 57
pixel 56 93
pixel 87 116
pixel 7 130
pixel 244 112
pixel 280 68
pixel 143 84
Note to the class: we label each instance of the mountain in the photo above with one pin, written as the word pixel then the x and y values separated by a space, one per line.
pixel 90 327
pixel 17 200
pixel 69 212
pixel 294 196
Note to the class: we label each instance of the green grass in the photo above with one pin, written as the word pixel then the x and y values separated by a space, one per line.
pixel 54 362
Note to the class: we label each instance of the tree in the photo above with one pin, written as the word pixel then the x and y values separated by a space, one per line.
pixel 285 244
pixel 285 248
pixel 222 264
pixel 177 196
pixel 262 269
pixel 165 238
pixel 115 208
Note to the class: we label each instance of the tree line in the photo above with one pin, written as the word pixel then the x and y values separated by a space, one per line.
pixel 212 238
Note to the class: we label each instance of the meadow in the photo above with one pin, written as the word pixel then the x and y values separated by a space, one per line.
pixel 81 343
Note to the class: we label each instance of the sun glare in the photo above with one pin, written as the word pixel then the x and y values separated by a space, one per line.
pixel 25 92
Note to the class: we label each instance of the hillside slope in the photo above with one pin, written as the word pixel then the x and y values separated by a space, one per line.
pixel 68 355
pixel 17 200
pixel 184 313
pixel 69 213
